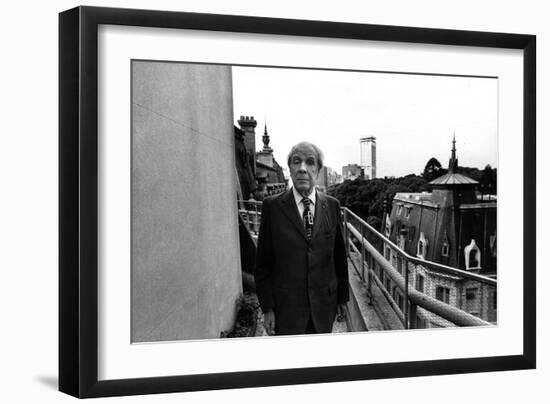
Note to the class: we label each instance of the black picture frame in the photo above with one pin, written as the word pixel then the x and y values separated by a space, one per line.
pixel 78 200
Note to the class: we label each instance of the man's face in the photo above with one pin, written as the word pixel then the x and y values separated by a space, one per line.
pixel 304 169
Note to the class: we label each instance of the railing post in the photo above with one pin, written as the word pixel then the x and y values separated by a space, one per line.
pixel 362 252
pixel 412 317
pixel 256 222
pixel 406 302
pixel 370 270
pixel 413 299
pixel 346 241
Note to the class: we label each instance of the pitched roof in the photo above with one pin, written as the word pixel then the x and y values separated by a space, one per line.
pixel 453 179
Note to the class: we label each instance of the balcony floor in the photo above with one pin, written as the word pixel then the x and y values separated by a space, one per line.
pixel 375 310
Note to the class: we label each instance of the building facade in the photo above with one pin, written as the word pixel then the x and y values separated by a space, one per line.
pixel 367 147
pixel 327 177
pixel 352 172
pixel 454 225
pixel 259 172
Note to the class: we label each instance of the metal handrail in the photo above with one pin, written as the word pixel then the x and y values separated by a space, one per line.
pixel 420 261
pixel 413 298
pixel 446 311
pixel 244 212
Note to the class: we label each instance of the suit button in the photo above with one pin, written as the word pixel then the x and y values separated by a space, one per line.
pixel 309 249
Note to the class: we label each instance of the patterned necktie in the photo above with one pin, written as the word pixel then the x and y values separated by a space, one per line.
pixel 308 218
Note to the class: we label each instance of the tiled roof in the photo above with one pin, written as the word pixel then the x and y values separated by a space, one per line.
pixel 453 179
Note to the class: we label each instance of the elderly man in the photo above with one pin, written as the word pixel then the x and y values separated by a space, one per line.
pixel 301 268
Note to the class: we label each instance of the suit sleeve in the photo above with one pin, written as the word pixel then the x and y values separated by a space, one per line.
pixel 264 262
pixel 340 260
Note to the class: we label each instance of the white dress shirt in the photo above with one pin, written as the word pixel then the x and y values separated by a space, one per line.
pixel 298 199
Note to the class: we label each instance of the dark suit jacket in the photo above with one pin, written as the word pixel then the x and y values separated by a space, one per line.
pixel 297 279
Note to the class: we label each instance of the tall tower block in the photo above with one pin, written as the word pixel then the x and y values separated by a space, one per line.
pixel 368 156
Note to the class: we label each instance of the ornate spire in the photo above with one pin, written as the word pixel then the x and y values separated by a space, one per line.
pixel 265 137
pixel 453 161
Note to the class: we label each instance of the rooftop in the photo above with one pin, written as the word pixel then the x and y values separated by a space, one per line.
pixel 419 198
pixel 453 179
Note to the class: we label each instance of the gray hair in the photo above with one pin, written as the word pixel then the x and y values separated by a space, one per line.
pixel 318 153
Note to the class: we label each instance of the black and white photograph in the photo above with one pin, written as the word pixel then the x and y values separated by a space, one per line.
pixel 276 201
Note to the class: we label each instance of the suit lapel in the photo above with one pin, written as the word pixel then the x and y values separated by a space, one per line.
pixel 290 210
pixel 320 213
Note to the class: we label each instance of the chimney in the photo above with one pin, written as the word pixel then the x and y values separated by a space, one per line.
pixel 248 126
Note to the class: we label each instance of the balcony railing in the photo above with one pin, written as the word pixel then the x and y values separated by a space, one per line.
pixel 422 293
pixel 250 213
pixel 275 188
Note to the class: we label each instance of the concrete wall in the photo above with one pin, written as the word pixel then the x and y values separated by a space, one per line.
pixel 186 272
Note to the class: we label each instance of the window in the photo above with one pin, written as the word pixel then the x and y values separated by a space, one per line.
pixel 422 246
pixel 473 262
pixel 472 256
pixel 399 209
pixel 445 247
pixel 471 293
pixel 471 301
pixel 401 237
pixel 442 294
pixel 408 212
pixel 388 226
pixel 495 300
pixel 419 283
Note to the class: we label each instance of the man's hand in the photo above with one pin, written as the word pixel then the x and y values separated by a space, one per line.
pixel 269 322
pixel 341 310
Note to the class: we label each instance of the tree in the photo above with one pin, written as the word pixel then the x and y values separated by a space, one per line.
pixel 432 170
pixel 472 172
pixel 374 221
pixel 366 197
pixel 488 180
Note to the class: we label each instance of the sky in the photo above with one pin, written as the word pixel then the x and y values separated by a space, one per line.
pixel 413 117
